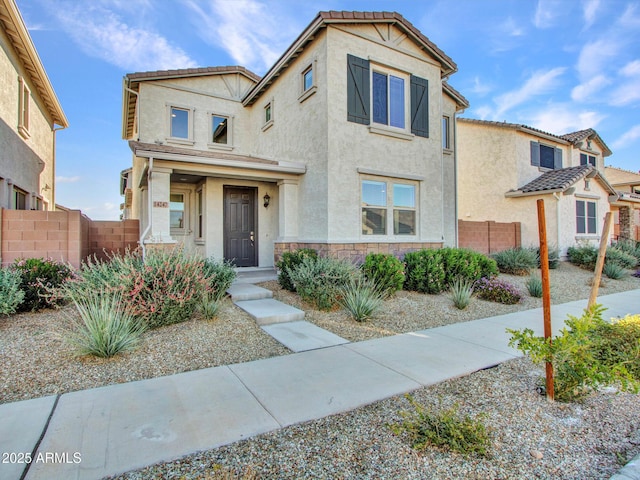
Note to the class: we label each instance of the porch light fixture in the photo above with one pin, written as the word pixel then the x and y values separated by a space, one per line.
pixel 266 199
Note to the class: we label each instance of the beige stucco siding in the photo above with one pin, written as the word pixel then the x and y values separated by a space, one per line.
pixel 354 146
pixel 28 162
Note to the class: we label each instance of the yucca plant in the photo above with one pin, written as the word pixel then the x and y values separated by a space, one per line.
pixel 534 286
pixel 461 291
pixel 105 328
pixel 614 271
pixel 209 305
pixel 362 298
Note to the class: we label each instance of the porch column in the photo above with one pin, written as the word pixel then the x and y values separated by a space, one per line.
pixel 624 217
pixel 288 210
pixel 159 189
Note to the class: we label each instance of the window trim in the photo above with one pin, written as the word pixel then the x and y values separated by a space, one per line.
pixel 390 208
pixel 268 123
pixel 18 191
pixel 201 217
pixel 220 146
pixel 587 158
pixel 184 230
pixel 190 125
pixel 388 72
pixel 587 217
pixel 306 93
pixel 446 133
pixel 24 108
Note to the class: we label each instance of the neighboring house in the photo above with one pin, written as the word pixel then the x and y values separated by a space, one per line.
pixel 30 114
pixel 346 145
pixel 504 168
pixel 627 208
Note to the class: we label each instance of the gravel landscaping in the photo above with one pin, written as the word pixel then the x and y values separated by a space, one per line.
pixel 530 437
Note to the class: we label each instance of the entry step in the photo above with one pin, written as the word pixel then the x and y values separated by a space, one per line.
pixel 247 291
pixel 268 311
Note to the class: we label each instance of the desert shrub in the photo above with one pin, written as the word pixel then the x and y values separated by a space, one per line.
pixel 534 286
pixel 444 428
pixel 614 271
pixel 38 279
pixel 461 291
pixel 164 288
pixel 584 256
pixel 588 353
pixel 319 280
pixel 10 294
pixel 385 270
pixel 209 305
pixel 553 254
pixel 516 261
pixel 496 290
pixel 464 264
pixel 105 327
pixel 288 261
pixel 629 246
pixel 361 297
pixel 425 271
pixel 220 274
pixel 620 257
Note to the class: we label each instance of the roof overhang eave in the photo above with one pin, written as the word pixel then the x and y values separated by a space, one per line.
pixel 520 193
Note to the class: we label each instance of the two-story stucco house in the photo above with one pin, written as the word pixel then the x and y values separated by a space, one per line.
pixel 345 145
pixel 626 208
pixel 504 168
pixel 30 114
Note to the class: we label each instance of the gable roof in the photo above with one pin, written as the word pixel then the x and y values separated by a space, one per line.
pixel 576 137
pixel 559 181
pixel 16 30
pixel 323 19
pixel 518 127
pixel 620 177
pixel 460 100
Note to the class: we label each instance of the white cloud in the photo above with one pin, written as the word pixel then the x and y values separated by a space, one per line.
pixel 480 88
pixel 511 28
pixel 628 90
pixel 539 83
pixel 595 57
pixel 249 30
pixel 563 118
pixel 547 12
pixel 100 33
pixel 589 10
pixel 590 88
pixel 627 138
pixel 630 18
pixel 483 112
pixel 631 69
pixel 61 179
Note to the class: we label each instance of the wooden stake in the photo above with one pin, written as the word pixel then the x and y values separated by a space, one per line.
pixel 546 291
pixel 597 274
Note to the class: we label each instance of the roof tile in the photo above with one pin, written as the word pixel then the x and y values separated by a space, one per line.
pixel 560 179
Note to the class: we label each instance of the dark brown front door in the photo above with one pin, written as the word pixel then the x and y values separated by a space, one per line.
pixel 240 245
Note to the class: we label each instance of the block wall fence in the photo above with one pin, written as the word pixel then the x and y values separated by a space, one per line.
pixel 489 237
pixel 67 236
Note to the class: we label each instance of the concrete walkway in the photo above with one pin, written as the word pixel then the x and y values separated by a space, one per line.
pixel 105 431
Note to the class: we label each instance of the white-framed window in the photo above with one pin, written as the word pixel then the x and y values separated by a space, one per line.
pixel 200 215
pixel 586 217
pixel 220 131
pixel 268 115
pixel 308 85
pixel 180 124
pixel 587 159
pixel 178 217
pixel 389 97
pixel 446 138
pixel 389 207
pixel 24 96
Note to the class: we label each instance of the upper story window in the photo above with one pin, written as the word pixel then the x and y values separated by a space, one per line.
pixel 545 156
pixel 308 84
pixel 220 131
pixel 307 79
pixel 446 139
pixel 385 201
pixel 268 115
pixel 397 100
pixel 23 108
pixel 180 124
pixel 587 159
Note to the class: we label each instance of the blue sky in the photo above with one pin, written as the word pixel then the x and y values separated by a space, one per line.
pixel 557 65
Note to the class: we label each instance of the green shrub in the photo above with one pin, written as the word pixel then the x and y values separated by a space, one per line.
pixel 445 428
pixel 386 271
pixel 165 288
pixel 362 298
pixel 10 294
pixel 629 246
pixel 516 261
pixel 105 327
pixel 614 271
pixel 620 258
pixel 433 271
pixel 553 255
pixel 39 278
pixel 496 290
pixel 461 291
pixel 220 274
pixel 288 261
pixel 588 353
pixel 319 281
pixel 584 256
pixel 534 286
pixel 209 305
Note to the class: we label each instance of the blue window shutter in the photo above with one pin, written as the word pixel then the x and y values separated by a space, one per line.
pixel 557 159
pixel 535 154
pixel 419 106
pixel 358 88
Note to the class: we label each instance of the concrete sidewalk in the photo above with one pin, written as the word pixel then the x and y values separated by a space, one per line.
pixel 105 431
